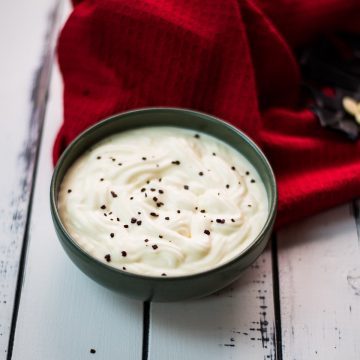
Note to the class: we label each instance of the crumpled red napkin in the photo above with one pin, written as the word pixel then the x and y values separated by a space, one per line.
pixel 229 58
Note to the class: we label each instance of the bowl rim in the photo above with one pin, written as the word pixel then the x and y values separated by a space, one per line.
pixel 256 241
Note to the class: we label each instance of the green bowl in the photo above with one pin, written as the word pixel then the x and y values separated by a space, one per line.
pixel 154 288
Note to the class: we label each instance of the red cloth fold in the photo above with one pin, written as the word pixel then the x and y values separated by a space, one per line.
pixel 233 59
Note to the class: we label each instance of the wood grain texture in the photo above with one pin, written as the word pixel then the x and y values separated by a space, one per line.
pixel 62 313
pixel 27 43
pixel 319 264
pixel 236 323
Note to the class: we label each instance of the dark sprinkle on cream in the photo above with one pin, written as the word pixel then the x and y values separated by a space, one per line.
pixel 233 168
pixel 119 164
pixel 232 220
pixel 126 226
pixel 107 257
pixel 124 268
pixel 146 240
pixel 252 181
pixel 154 247
pixel 143 189
pixel 152 189
pixel 99 157
pixel 103 207
pixel 178 211
pixel 154 214
pixel 113 194
pixel 124 253
pixel 112 235
pixel 161 191
pixel 207 232
pixel 139 212
pixel 159 204
pixel 163 274
pixel 118 219
pixel 203 211
pixel 133 220
pixel 214 154
pixel 160 236
pixel 139 222
pixel 247 173
pixel 167 218
pixel 132 198
pixel 186 187
pixel 143 158
pixel 176 162
pixel 69 191
pixel 197 136
pixel 155 198
pixel 201 173
pixel 227 186
pixel 220 221
pixel 102 179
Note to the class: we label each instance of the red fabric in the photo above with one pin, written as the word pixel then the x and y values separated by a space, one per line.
pixel 229 58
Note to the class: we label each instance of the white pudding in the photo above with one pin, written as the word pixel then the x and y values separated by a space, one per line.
pixel 163 201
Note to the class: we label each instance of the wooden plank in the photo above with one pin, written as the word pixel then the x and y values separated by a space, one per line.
pixel 62 313
pixel 26 41
pixel 236 323
pixel 319 268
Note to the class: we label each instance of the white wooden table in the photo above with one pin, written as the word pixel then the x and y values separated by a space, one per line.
pixel 300 300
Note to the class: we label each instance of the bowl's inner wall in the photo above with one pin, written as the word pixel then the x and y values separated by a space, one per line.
pixel 169 117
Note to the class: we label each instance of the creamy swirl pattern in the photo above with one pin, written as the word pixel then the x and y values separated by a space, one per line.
pixel 162 201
